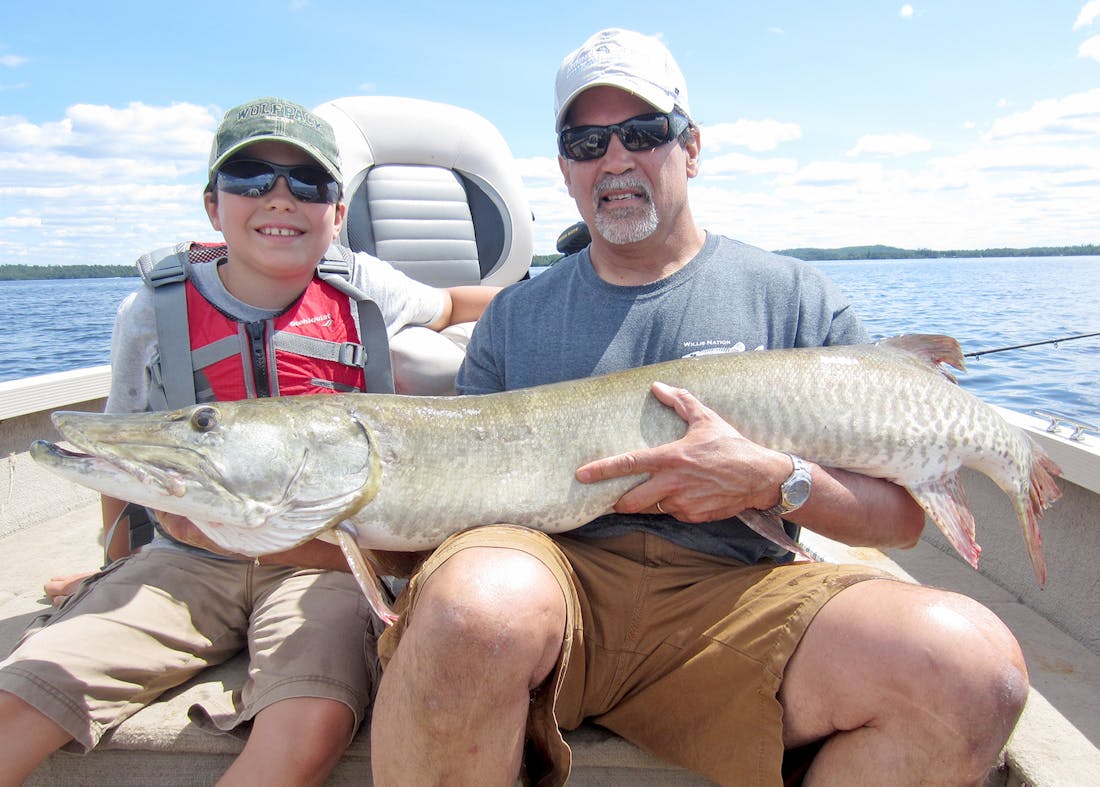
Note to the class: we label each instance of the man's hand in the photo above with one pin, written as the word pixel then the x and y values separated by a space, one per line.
pixel 712 472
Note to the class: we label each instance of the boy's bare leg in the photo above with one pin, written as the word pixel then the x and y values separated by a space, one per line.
pixel 293 742
pixel 27 737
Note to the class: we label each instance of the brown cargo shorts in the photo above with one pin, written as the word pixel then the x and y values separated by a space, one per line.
pixel 679 652
pixel 150 622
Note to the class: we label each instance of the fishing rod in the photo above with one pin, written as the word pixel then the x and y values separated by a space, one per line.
pixel 1030 344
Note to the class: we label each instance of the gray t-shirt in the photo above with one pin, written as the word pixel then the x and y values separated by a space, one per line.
pixel 568 323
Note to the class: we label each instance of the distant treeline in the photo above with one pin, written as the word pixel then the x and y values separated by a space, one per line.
pixel 879 252
pixel 26 272
pixel 892 253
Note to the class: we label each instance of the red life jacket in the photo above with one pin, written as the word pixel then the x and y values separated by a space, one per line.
pixel 314 346
pixel 272 358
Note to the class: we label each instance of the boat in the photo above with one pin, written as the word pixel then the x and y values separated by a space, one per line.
pixel 50 527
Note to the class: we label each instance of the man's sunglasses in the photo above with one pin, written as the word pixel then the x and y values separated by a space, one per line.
pixel 253 178
pixel 644 132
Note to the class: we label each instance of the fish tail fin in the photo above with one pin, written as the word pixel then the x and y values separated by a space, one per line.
pixel 932 349
pixel 945 503
pixel 770 527
pixel 1043 491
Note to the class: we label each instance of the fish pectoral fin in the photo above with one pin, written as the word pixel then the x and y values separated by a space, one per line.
pixel 945 503
pixel 366 577
pixel 770 527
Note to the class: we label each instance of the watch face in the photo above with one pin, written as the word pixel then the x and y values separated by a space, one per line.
pixel 797 492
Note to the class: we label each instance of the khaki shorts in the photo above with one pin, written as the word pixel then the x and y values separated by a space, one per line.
pixel 680 652
pixel 154 620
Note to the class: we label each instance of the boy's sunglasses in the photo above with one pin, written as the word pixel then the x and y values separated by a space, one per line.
pixel 253 178
pixel 644 132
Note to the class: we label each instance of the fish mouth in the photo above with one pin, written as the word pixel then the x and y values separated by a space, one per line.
pixel 166 481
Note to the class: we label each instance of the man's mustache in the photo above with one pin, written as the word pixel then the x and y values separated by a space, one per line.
pixel 610 183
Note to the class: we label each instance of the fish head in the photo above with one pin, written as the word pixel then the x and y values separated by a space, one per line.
pixel 256 476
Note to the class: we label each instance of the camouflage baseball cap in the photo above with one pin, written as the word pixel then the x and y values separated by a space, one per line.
pixel 279 120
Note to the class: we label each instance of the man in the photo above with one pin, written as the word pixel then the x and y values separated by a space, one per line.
pixel 669 622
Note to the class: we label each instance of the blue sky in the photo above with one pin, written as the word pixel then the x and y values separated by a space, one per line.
pixel 938 124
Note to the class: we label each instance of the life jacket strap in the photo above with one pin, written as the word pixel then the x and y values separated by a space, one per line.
pixel 166 270
pixel 335 269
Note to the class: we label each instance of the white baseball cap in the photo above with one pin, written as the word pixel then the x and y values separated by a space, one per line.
pixel 633 62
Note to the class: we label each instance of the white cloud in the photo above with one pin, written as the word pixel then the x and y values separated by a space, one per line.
pixel 136 132
pixel 20 221
pixel 1033 179
pixel 1074 116
pixel 740 163
pixel 754 134
pixel 890 145
pixel 12 61
pixel 1090 48
pixel 834 173
pixel 103 184
pixel 1088 14
pixel 538 168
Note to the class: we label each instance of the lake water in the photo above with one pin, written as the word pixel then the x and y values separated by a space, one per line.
pixel 55 325
pixel 986 304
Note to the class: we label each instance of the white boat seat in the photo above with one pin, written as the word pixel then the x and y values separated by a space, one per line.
pixel 431 188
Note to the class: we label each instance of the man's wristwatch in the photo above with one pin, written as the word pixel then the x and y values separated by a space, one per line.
pixel 795 491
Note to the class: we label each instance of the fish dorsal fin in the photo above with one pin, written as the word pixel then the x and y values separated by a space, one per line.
pixel 930 349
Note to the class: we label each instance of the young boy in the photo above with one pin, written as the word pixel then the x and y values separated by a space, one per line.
pixel 152 619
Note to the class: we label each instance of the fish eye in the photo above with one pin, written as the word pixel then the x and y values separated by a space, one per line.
pixel 203 419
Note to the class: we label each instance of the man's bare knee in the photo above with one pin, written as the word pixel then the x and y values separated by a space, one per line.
pixel 494 604
pixel 985 681
pixel 923 676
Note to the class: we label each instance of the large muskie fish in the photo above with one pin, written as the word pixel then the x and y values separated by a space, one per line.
pixel 402 473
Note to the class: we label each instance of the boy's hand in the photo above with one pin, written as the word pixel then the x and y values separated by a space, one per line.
pixel 185 531
pixel 58 589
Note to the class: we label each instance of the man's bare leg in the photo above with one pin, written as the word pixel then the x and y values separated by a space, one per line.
pixel 453 702
pixel 909 685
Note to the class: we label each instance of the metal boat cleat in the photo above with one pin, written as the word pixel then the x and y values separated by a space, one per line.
pixel 1058 419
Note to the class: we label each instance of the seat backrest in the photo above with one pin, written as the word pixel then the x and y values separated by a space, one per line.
pixel 431 188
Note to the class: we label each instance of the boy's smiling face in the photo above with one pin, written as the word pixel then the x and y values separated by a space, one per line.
pixel 275 241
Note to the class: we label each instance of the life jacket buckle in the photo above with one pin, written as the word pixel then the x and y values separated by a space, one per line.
pixel 167 274
pixel 352 354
